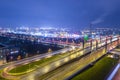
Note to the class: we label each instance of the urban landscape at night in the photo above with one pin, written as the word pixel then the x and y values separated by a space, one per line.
pixel 59 40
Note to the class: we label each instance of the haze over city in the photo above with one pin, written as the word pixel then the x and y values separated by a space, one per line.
pixel 60 13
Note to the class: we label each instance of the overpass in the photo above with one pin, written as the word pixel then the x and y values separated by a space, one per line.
pixel 106 43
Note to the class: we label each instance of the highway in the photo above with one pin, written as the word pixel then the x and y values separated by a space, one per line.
pixel 46 68
pixel 35 58
pixel 64 71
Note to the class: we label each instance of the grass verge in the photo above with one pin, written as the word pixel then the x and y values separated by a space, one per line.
pixel 99 71
pixel 40 63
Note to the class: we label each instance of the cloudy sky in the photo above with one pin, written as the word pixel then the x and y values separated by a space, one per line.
pixel 60 13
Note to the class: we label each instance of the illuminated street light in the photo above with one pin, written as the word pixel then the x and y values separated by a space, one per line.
pixel 96 44
pixel 91 45
pixel 83 43
pixel 111 39
pixel 100 38
pixel 106 43
pixel 73 47
pixel 118 40
pixel 67 40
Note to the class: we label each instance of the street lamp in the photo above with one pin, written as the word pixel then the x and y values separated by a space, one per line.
pixel 118 40
pixel 91 44
pixel 96 44
pixel 85 40
pixel 111 39
pixel 100 38
pixel 106 44
pixel 83 43
pixel 67 40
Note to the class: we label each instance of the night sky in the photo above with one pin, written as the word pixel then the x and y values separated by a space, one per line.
pixel 60 13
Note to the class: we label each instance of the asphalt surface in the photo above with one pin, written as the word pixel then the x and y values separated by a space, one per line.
pixel 33 75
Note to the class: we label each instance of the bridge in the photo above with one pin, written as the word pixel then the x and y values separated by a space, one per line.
pixel 106 45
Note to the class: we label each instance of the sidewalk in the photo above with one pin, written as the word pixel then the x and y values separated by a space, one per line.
pixel 117 75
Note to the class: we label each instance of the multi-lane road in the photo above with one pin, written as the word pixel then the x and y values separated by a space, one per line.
pixel 32 75
pixel 65 71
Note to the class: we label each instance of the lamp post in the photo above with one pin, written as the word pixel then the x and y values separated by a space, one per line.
pixel 111 39
pixel 85 40
pixel 83 44
pixel 118 41
pixel 106 43
pixel 52 40
pixel 96 44
pixel 91 44
pixel 100 39
pixel 67 40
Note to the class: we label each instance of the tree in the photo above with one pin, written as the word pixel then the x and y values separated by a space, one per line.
pixel 49 50
pixel 19 57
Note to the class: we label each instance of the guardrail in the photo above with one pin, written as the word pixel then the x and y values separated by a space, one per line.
pixel 113 72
